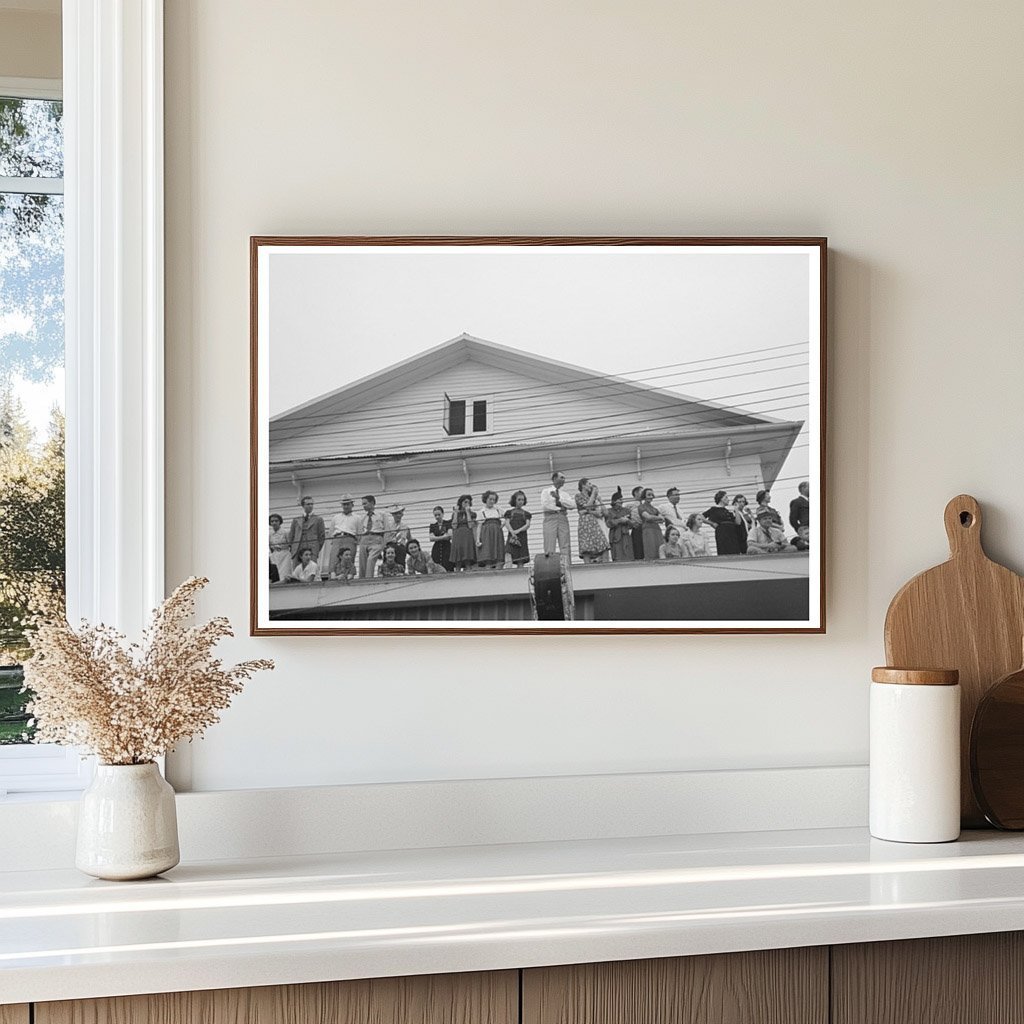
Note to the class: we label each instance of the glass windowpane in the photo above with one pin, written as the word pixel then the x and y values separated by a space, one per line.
pixel 31 431
pixel 480 416
pixel 31 138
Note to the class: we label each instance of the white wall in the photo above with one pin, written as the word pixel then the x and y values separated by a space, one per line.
pixel 892 128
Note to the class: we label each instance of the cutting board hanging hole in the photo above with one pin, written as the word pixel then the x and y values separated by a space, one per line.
pixel 963 526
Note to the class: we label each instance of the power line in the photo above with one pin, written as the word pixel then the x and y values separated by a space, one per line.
pixel 431 421
pixel 526 449
pixel 706 416
pixel 330 498
pixel 576 429
pixel 696 494
pixel 545 436
pixel 600 381
pixel 541 387
pixel 429 414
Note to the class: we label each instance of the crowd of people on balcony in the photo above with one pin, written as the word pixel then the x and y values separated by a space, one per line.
pixel 376 543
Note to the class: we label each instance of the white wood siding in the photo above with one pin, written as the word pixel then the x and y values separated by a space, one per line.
pixel 419 489
pixel 524 410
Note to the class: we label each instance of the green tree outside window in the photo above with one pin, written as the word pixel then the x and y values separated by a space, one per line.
pixel 31 353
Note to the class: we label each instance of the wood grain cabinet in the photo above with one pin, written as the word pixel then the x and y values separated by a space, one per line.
pixel 963 979
pixel 971 979
pixel 779 986
pixel 491 998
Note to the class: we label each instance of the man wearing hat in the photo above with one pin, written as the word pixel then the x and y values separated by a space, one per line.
pixel 768 537
pixel 346 533
pixel 399 535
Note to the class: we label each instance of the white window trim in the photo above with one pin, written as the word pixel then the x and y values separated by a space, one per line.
pixel 114 324
pixel 32 186
pixel 489 399
pixel 31 88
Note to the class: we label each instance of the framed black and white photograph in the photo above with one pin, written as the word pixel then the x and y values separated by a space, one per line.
pixel 516 435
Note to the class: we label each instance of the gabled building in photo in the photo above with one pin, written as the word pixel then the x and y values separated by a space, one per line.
pixel 470 415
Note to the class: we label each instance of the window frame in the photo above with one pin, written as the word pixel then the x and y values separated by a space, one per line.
pixel 487 415
pixel 469 402
pixel 112 89
pixel 449 402
pixel 31 88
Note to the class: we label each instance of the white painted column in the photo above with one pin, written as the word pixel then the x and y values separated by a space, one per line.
pixel 113 88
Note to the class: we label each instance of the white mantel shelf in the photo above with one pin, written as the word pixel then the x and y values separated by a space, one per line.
pixel 226 924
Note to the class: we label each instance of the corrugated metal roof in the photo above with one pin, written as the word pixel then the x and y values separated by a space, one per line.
pixel 736 434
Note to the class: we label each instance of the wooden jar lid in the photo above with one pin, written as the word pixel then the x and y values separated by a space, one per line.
pixel 916 676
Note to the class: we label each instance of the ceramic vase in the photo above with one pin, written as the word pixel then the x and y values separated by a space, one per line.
pixel 127 825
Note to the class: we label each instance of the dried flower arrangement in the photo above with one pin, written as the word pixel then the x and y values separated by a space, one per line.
pixel 128 704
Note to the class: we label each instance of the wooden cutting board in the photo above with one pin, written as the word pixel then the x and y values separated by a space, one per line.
pixel 967 614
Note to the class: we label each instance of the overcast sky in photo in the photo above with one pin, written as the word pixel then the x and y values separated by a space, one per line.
pixel 339 314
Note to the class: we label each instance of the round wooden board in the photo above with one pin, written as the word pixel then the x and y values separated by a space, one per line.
pixel 997 752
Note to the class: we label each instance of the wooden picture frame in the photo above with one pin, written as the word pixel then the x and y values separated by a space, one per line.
pixel 359 389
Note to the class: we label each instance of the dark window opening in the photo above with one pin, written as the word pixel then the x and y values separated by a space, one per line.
pixel 480 416
pixel 456 417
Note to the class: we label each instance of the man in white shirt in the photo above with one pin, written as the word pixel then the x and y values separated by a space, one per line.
pixel 372 527
pixel 346 533
pixel 554 506
pixel 671 511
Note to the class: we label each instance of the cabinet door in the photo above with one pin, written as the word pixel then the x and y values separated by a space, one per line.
pixel 14 1014
pixel 963 979
pixel 491 998
pixel 779 986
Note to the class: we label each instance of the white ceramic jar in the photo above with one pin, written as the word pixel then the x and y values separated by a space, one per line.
pixel 915 755
pixel 127 823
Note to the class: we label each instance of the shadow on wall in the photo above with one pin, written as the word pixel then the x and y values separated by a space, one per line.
pixel 855 287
